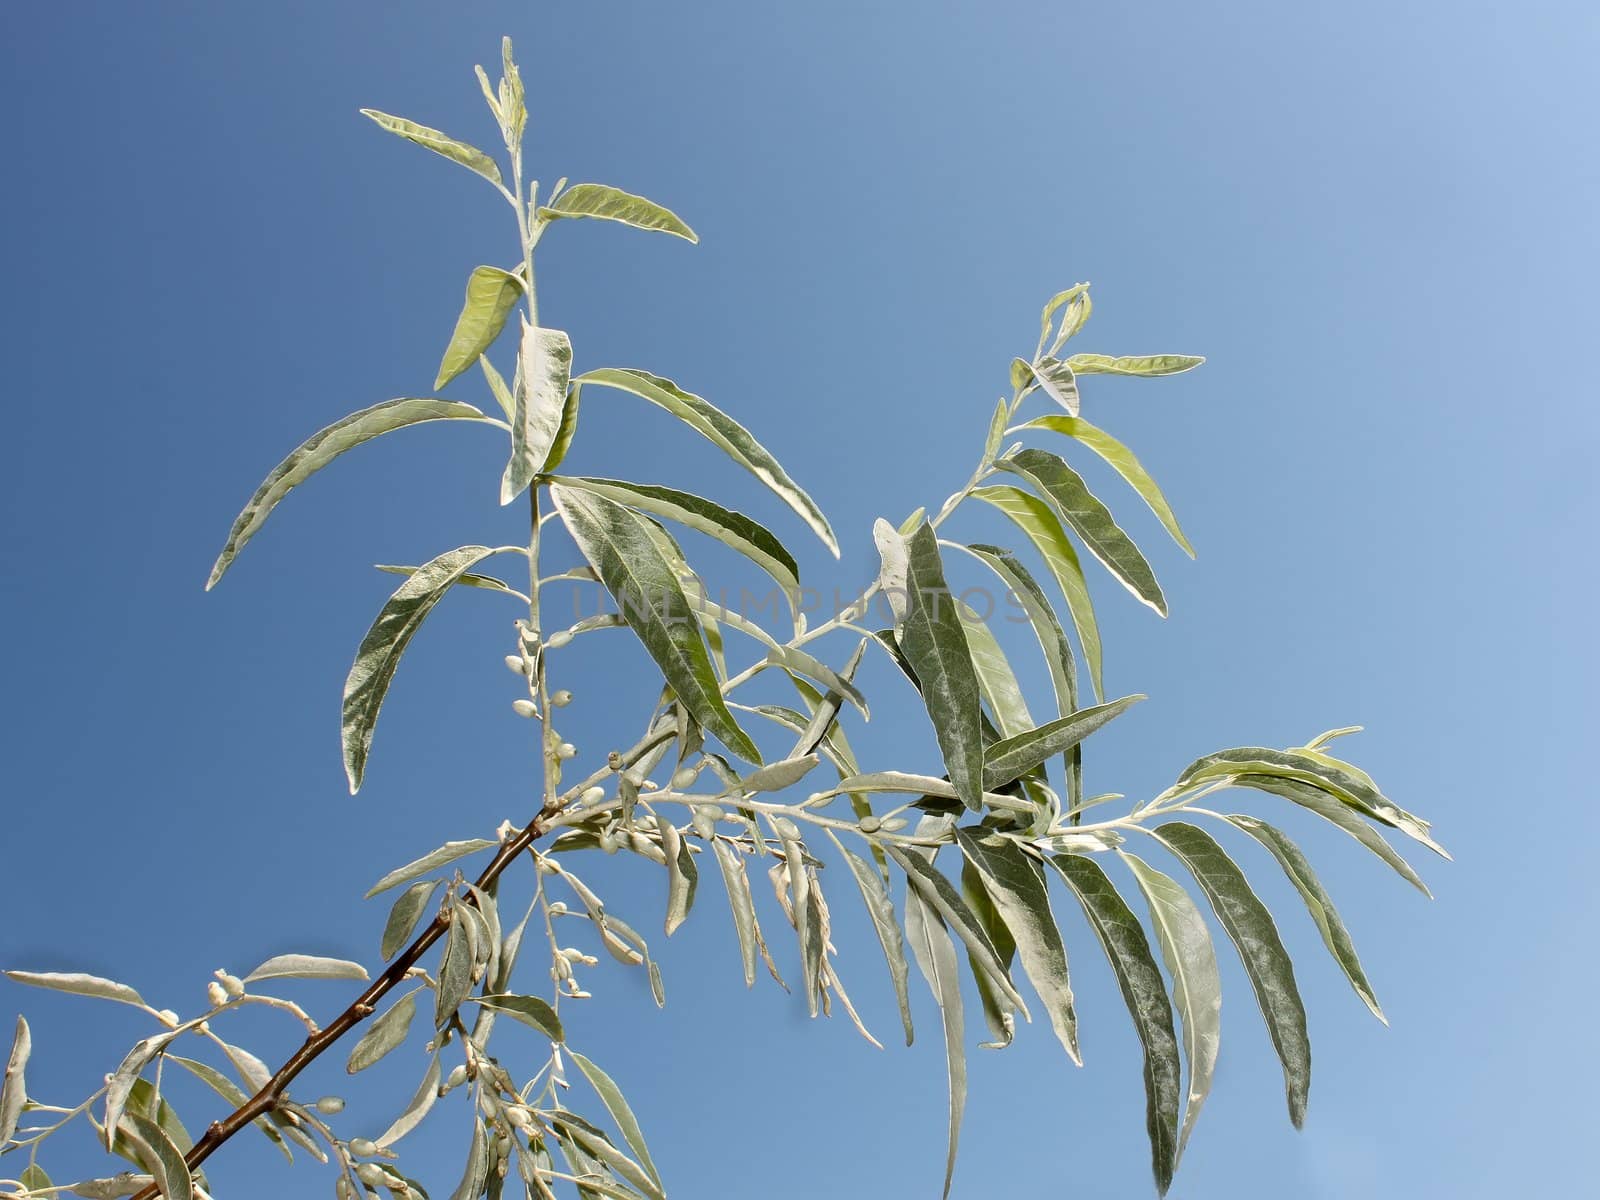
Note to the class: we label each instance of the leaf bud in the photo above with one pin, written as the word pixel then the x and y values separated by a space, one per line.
pixel 894 824
pixel 231 984
pixel 215 995
pixel 455 1079
pixel 168 1018
pixel 608 842
pixel 524 708
pixel 558 639
pixel 566 750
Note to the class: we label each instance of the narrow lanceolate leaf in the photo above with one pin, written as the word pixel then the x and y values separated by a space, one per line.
pixel 321 449
pixel 880 907
pixel 1043 528
pixel 997 682
pixel 231 1092
pixel 120 1085
pixel 1014 757
pixel 306 966
pixel 1191 960
pixel 379 654
pixel 618 544
pixel 1078 297
pixel 741 903
pixel 545 359
pixel 530 1010
pixel 431 139
pixel 1334 935
pixel 1137 364
pixel 568 427
pixel 446 853
pixel 936 646
pixel 1091 520
pixel 682 876
pixel 14 1088
pixel 1015 884
pixel 491 295
pixel 455 966
pixel 384 1035
pixel 476 1173
pixel 1332 809
pixel 940 894
pixel 614 204
pixel 804 913
pixel 405 915
pixel 1058 382
pixel 730 528
pixel 1026 593
pixel 595 1145
pixel 733 438
pixel 1265 960
pixel 79 985
pixel 161 1158
pixel 1123 462
pixel 417 1108
pixel 611 1096
pixel 997 1011
pixel 936 958
pixel 1125 944
pixel 775 777
pixel 1341 779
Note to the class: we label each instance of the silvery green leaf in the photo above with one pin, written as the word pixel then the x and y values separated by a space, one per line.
pixel 34 1180
pixel 164 1161
pixel 487 582
pixel 1265 960
pixel 1138 364
pixel 998 1012
pixel 997 429
pixel 741 903
pixel 731 528
pixel 893 559
pixel 1027 593
pixel 497 385
pixel 1346 818
pixel 774 777
pixel 725 432
pixel 1340 779
pixel 904 782
pixel 1123 462
pixel 1077 295
pixel 1145 994
pixel 405 915
pixel 251 1069
pixel 120 1085
pixel 803 913
pixel 567 428
pixel 477 1169
pixel 417 1108
pixel 1320 905
pixel 230 1092
pixel 996 680
pixel 125 1183
pixel 880 907
pixel 14 1088
pixel 611 1096
pixel 79 985
pixel 491 295
pixel 455 966
pixel 1091 520
pixel 618 544
pixel 1191 960
pixel 595 1144
pixel 446 853
pixel 1015 885
pixel 379 654
pixel 306 966
pixel 683 877
pixel 321 449
pixel 385 1034
pixel 1039 522
pixel 530 1010
pixel 936 647
pixel 614 204
pixel 1008 760
pixel 544 371
pixel 1058 382
pixel 936 958
pixel 940 894
pixel 431 139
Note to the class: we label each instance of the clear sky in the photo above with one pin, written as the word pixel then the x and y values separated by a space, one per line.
pixel 1377 220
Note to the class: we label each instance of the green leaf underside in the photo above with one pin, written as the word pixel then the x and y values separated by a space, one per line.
pixel 491 295
pixel 1008 760
pixel 1123 461
pixel 431 139
pixel 78 984
pixel 683 877
pixel 1066 491
pixel 997 682
pixel 1038 521
pixel 1136 364
pixel 733 529
pixel 723 431
pixel 613 204
pixel 383 1035
pixel 880 907
pixel 1145 994
pixel 741 904
pixel 321 449
pixel 611 1096
pixel 380 651
pixel 306 966
pixel 161 1158
pixel 530 1010
pixel 1016 886
pixel 404 915
pixel 618 544
pixel 936 959
pixel 934 642
pixel 1191 960
pixel 446 853
pixel 1318 903
pixel 541 400
pixel 1255 935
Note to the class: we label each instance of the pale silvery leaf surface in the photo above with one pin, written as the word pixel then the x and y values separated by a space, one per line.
pixel 306 966
pixel 431 139
pixel 491 295
pixel 544 371
pixel 613 204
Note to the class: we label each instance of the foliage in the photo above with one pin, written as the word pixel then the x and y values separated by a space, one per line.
pixel 959 866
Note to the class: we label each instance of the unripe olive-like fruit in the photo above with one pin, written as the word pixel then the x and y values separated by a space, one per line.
pixel 329 1106
pixel 363 1147
pixel 869 824
pixel 557 640
pixel 592 795
pixel 562 698
pixel 369 1173
pixel 231 984
pixel 566 750
pixel 684 776
pixel 524 708
pixel 894 824
pixel 516 664
pixel 215 995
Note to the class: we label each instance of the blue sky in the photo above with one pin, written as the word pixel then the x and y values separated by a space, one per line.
pixel 1379 223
